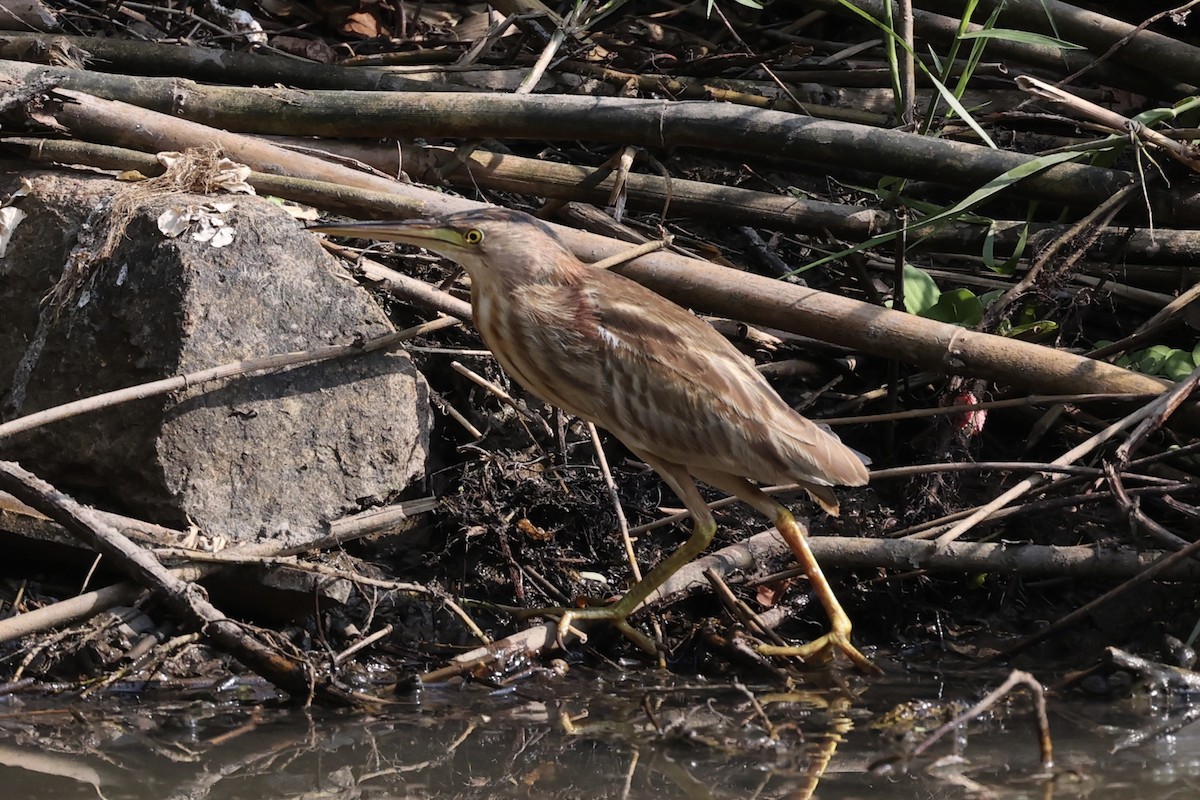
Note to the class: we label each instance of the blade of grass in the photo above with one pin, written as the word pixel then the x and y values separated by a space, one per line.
pixel 1023 37
pixel 943 90
pixel 993 187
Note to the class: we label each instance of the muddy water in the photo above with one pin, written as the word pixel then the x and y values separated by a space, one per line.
pixel 644 736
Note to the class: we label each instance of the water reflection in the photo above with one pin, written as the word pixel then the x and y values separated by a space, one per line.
pixel 645 736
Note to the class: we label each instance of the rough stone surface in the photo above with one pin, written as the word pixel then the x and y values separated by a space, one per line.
pixel 276 455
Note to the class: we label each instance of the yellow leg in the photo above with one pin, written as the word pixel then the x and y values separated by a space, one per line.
pixel 703 529
pixel 792 532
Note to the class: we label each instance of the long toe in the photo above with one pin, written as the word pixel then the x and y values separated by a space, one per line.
pixel 819 651
pixel 614 615
pixel 856 657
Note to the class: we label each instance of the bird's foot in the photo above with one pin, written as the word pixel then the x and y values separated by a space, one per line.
pixel 566 617
pixel 821 650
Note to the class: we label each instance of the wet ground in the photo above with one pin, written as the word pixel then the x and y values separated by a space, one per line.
pixel 646 735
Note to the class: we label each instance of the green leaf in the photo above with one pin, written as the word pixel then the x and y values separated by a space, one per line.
pixel 960 110
pixel 1196 353
pixel 989 248
pixel 1023 37
pixel 959 306
pixel 1178 365
pixel 977 47
pixel 987 298
pixel 1153 116
pixel 1152 359
pixel 943 90
pixel 1036 328
pixel 1010 266
pixel 989 189
pixel 920 292
pixel 1028 314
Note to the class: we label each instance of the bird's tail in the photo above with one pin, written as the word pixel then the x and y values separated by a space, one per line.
pixel 824 497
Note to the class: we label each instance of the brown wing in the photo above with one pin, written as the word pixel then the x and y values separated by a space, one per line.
pixel 666 384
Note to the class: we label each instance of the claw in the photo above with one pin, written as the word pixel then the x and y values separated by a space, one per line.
pixel 563 629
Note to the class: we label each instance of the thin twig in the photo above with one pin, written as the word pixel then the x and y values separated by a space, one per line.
pixel 363 643
pixel 613 495
pixel 1016 402
pixel 1168 399
pixel 499 391
pixel 1014 679
pixel 290 673
pixel 1118 123
pixel 634 252
pixel 741 610
pixel 910 471
pixel 1164 563
pixel 933 527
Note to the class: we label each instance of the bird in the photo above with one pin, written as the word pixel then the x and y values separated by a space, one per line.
pixel 664 382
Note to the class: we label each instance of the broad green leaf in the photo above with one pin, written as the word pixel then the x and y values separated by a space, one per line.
pixel 920 292
pixel 1178 365
pixel 1152 359
pixel 987 298
pixel 959 306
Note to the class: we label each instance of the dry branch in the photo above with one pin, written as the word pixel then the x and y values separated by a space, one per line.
pixel 943 30
pixel 699 284
pixel 507 172
pixel 1163 405
pixel 79 607
pixel 651 123
pixel 766 552
pixel 207 63
pixel 188 600
pixel 1147 51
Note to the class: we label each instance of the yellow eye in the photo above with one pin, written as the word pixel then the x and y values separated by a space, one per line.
pixel 473 236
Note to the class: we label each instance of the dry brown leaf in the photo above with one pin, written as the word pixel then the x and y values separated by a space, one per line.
pixel 312 49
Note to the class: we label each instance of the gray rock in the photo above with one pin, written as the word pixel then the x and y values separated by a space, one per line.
pixel 270 455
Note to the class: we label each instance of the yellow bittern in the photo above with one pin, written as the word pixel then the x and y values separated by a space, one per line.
pixel 673 390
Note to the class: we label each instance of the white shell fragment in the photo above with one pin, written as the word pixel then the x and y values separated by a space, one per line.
pixel 10 218
pixel 206 221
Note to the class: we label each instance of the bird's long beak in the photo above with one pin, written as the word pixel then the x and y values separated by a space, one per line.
pixel 417 232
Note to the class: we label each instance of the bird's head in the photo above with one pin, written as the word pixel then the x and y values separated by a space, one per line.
pixel 491 244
